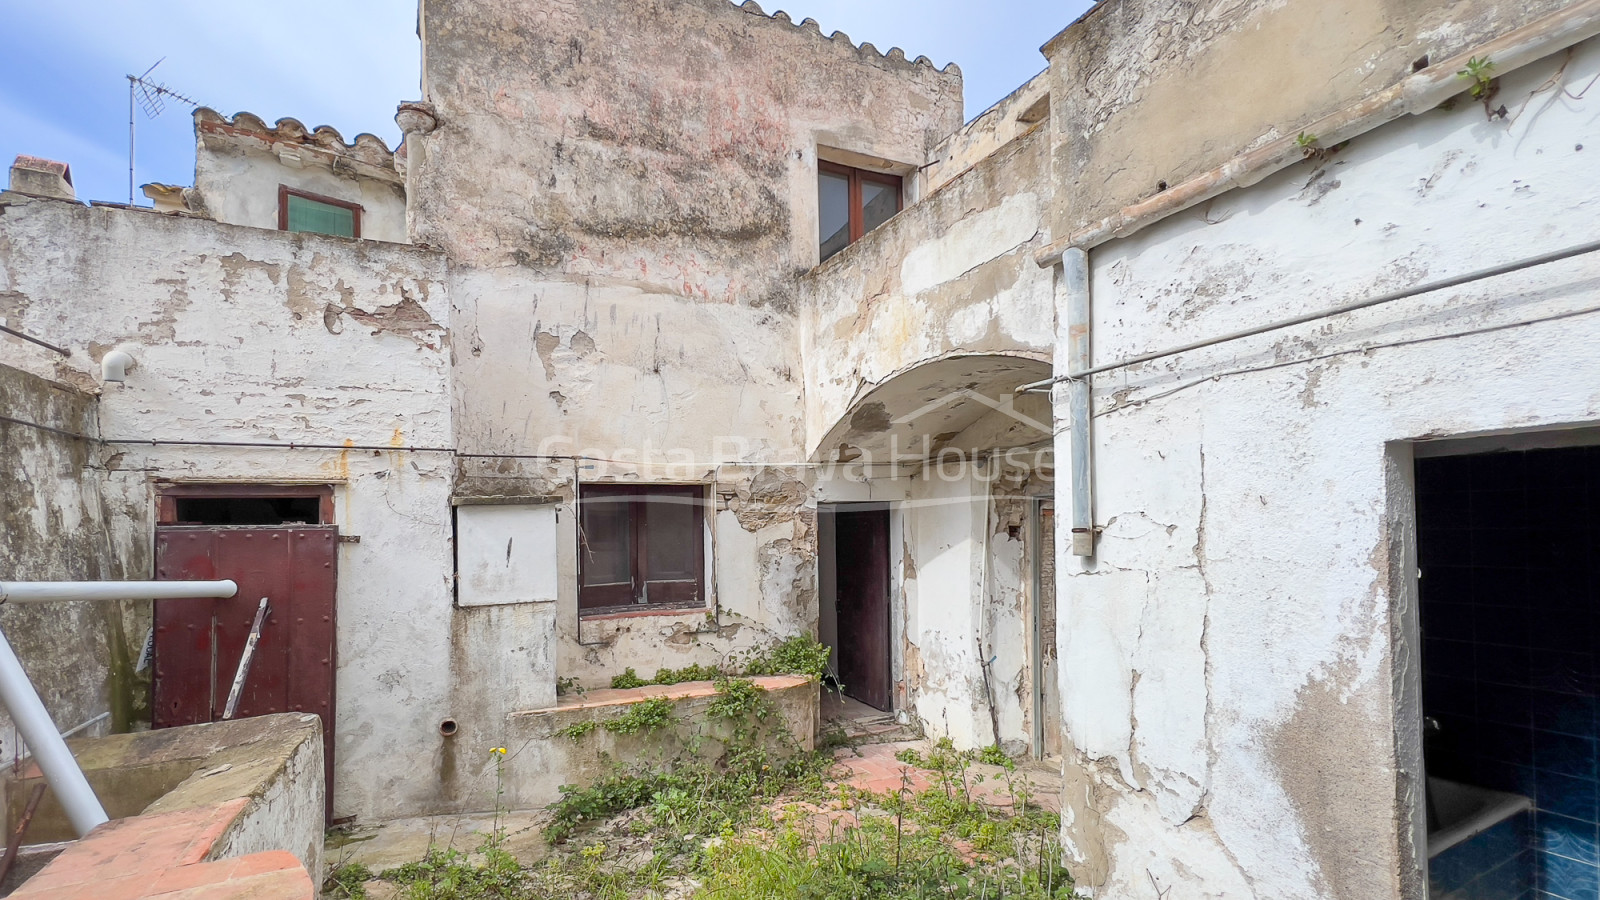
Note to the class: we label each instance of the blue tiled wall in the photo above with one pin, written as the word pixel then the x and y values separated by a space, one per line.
pixel 1495 865
pixel 1507 549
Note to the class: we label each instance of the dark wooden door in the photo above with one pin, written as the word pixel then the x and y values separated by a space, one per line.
pixel 861 541
pixel 198 643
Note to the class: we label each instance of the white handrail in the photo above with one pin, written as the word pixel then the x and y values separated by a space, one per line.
pixel 50 751
pixel 60 591
pixel 33 721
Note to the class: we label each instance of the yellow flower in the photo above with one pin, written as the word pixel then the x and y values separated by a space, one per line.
pixel 499 750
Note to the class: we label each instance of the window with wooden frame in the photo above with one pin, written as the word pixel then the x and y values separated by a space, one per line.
pixel 304 211
pixel 244 504
pixel 641 547
pixel 852 202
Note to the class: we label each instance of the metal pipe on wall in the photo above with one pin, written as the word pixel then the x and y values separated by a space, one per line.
pixel 49 749
pixel 1075 281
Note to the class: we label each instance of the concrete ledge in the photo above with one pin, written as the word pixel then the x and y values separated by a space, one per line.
pixel 540 759
pixel 685 691
pixel 225 809
pixel 169 856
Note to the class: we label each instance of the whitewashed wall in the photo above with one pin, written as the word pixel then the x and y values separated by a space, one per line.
pixel 1231 687
pixel 238 178
pixel 243 334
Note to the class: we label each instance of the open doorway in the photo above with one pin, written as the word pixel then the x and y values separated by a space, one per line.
pixel 1508 553
pixel 855 617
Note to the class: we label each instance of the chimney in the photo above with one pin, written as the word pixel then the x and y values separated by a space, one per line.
pixel 42 178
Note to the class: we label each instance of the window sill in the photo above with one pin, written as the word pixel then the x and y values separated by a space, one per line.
pixel 604 615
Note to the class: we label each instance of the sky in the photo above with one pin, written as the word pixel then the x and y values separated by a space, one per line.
pixel 347 63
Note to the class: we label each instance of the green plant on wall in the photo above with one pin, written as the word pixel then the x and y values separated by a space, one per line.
pixel 798 655
pixel 1480 72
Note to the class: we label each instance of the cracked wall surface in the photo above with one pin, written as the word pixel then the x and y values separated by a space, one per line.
pixel 1233 670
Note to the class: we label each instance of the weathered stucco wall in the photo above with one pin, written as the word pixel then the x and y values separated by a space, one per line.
pixel 56 523
pixel 628 193
pixel 1147 93
pixel 241 162
pixel 672 146
pixel 1016 115
pixel 245 335
pixel 952 274
pixel 1237 716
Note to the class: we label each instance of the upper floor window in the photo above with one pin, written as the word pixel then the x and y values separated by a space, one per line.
pixel 304 211
pixel 852 202
pixel 641 546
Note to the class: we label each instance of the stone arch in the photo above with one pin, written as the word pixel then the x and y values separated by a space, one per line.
pixel 963 401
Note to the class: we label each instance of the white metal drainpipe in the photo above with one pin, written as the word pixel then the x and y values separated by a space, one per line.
pixel 27 710
pixel 1075 274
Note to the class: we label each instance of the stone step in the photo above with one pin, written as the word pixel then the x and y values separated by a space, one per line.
pixel 876 730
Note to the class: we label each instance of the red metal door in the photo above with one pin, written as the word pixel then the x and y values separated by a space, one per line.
pixel 862 553
pixel 198 643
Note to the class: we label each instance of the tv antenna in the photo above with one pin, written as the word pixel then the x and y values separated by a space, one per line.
pixel 151 97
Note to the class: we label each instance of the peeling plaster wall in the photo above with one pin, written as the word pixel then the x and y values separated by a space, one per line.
pixel 1146 92
pixel 57 524
pixel 942 568
pixel 1236 706
pixel 1014 116
pixel 1008 601
pixel 627 193
pixel 949 276
pixel 240 334
pixel 953 273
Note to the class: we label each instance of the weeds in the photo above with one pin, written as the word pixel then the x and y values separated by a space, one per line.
pixel 644 716
pixel 798 655
pixel 1480 72
pixel 628 679
pixel 743 812
pixel 992 755
pixel 578 730
pixel 347 881
pixel 695 672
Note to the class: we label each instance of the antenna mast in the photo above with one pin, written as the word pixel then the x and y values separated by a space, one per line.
pixel 151 98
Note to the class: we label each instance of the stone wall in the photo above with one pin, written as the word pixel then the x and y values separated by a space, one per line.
pixel 57 523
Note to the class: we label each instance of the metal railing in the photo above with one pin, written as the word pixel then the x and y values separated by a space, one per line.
pixel 21 699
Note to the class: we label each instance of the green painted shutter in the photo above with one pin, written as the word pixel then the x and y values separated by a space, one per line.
pixel 323 218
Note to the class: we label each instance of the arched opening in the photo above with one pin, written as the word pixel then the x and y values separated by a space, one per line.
pixel 933 503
